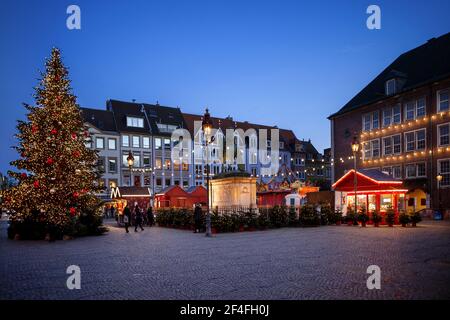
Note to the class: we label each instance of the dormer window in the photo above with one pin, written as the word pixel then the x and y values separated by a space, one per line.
pixel 391 87
pixel 135 122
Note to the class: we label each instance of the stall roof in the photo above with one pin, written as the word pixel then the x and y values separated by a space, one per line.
pixel 123 192
pixel 367 180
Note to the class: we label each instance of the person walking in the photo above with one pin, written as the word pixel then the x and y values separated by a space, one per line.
pixel 150 216
pixel 137 218
pixel 197 218
pixel 126 217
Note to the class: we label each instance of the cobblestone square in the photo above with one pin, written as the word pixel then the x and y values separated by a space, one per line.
pixel 290 263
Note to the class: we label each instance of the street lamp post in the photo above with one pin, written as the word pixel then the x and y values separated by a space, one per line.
pixel 355 148
pixel 439 179
pixel 130 160
pixel 208 139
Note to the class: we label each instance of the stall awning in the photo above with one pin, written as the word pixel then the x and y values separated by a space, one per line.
pixel 367 180
pixel 135 192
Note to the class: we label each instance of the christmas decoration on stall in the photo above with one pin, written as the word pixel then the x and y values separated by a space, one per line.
pixel 52 149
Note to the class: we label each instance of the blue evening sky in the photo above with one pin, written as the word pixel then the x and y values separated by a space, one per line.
pixel 285 63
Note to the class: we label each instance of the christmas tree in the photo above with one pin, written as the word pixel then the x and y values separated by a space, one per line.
pixel 57 173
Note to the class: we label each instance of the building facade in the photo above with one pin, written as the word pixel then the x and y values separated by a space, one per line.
pixel 402 121
pixel 145 131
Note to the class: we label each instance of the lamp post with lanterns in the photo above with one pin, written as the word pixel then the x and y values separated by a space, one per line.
pixel 439 179
pixel 355 149
pixel 130 160
pixel 208 139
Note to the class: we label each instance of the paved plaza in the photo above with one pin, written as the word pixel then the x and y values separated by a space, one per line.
pixel 290 263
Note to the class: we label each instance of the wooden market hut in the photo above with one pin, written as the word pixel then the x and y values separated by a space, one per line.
pixel 376 190
pixel 176 196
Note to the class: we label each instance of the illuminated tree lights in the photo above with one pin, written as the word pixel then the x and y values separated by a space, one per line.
pixel 52 151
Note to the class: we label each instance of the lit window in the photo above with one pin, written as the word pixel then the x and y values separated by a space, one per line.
pixel 158 143
pixel 112 165
pixel 135 122
pixel 125 141
pixel 100 143
pixel 112 144
pixel 146 142
pixel 136 142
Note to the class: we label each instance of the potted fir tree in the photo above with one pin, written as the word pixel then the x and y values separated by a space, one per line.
pixel 390 217
pixel 350 217
pixel 404 218
pixel 338 217
pixel 415 218
pixel 376 218
pixel 363 217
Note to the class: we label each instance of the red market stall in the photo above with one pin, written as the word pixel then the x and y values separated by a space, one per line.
pixel 271 198
pixel 175 196
pixel 376 190
pixel 122 196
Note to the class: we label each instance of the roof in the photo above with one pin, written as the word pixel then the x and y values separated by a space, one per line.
pixel 307 146
pixel 287 136
pixel 367 180
pixel 101 119
pixel 153 114
pixel 427 63
pixel 377 175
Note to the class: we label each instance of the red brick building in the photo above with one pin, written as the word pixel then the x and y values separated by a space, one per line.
pixel 402 121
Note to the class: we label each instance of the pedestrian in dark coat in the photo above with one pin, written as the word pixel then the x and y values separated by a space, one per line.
pixel 198 214
pixel 138 218
pixel 150 216
pixel 126 217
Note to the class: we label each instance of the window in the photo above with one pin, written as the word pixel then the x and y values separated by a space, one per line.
pixel 112 165
pixel 444 170
pixel 167 144
pixel 371 121
pixel 391 116
pixel 387 117
pixel 397 144
pixel 167 128
pixel 158 182
pixel 415 170
pixel 136 142
pixel 146 160
pixel 415 140
pixel 371 149
pixel 135 122
pixel 158 143
pixel 101 164
pixel 146 142
pixel 387 145
pixel 442 100
pixel 158 163
pixel 167 182
pixel 397 172
pixel 387 170
pixel 391 87
pixel 125 141
pixel 281 145
pixel 112 145
pixel 443 134
pixel 124 158
pixel 415 109
pixel 410 111
pixel 167 164
pixel 99 143
pixel 420 108
pixel 147 180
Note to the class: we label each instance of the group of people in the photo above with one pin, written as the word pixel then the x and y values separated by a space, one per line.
pixel 137 215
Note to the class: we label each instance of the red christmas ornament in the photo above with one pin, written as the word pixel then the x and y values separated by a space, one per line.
pixel 76 194
pixel 34 128
pixel 84 191
pixel 50 161
pixel 72 211
pixel 76 154
pixel 54 131
pixel 36 184
pixel 23 175
pixel 74 136
pixel 23 155
pixel 86 134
